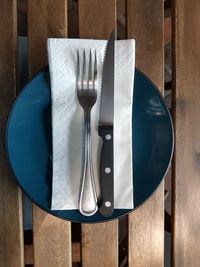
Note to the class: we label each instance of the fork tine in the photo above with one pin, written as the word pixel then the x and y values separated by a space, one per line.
pixel 78 77
pixel 84 75
pixel 90 76
pixel 95 71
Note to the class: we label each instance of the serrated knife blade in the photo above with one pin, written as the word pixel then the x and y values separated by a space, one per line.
pixel 105 130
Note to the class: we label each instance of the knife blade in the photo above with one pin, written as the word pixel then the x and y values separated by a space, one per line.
pixel 105 130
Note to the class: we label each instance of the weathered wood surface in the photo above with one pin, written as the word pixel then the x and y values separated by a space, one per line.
pixel 146 225
pixel 45 19
pixel 99 241
pixel 186 101
pixel 29 253
pixel 96 18
pixel 51 236
pixel 11 233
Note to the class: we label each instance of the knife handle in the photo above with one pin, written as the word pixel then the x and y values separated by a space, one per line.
pixel 106 171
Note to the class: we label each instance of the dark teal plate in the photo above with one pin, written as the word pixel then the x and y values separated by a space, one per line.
pixel 28 143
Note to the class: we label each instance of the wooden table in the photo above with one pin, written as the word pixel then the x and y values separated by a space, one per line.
pixel 99 245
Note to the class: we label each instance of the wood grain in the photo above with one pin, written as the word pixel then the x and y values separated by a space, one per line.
pixel 29 253
pixel 97 18
pixel 11 237
pixel 186 104
pixel 99 241
pixel 100 244
pixel 146 225
pixel 45 19
pixel 52 236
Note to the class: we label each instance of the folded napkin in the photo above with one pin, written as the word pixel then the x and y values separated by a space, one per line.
pixel 67 121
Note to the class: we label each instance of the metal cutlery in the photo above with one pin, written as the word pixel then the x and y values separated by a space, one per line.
pixel 86 84
pixel 106 130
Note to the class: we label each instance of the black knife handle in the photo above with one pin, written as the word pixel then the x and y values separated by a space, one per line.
pixel 106 171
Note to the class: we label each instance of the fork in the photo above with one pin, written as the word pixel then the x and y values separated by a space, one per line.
pixel 86 84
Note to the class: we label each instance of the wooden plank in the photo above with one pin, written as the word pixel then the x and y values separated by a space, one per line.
pixel 11 237
pixel 76 252
pixel 186 99
pixel 52 236
pixel 100 244
pixel 96 18
pixel 146 225
pixel 29 253
pixel 99 241
pixel 45 19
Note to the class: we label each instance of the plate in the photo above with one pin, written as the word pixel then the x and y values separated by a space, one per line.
pixel 29 144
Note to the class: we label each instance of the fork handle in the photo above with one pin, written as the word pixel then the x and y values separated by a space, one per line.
pixel 88 197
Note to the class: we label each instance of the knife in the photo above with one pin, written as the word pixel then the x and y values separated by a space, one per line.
pixel 105 130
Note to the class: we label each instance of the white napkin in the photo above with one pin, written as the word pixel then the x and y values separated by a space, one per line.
pixel 67 121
